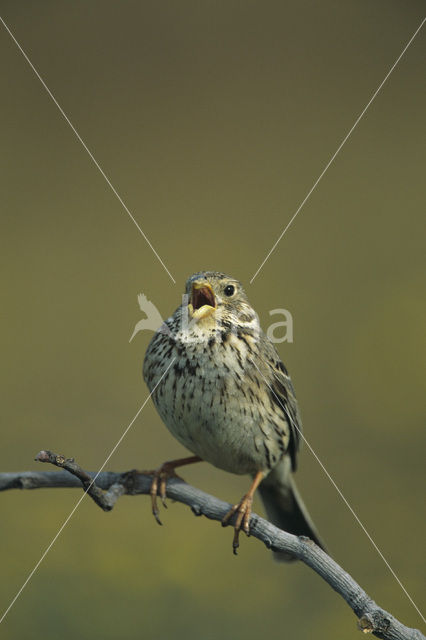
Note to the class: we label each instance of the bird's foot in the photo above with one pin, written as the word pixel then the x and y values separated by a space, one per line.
pixel 242 521
pixel 159 486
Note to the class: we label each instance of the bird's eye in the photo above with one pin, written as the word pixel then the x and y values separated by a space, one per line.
pixel 229 290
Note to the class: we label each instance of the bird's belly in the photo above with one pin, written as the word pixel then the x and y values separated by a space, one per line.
pixel 212 418
pixel 216 443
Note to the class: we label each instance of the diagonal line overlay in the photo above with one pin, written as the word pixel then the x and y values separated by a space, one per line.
pixel 343 497
pixel 68 518
pixel 86 148
pixel 339 148
pixel 333 157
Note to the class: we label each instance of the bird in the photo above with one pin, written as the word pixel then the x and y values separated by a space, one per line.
pixel 222 390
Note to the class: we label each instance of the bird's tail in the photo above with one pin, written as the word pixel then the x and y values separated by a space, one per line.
pixel 285 508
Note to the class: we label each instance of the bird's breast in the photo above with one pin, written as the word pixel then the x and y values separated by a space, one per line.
pixel 212 401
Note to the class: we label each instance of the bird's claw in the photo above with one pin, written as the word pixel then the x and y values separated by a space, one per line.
pixel 242 521
pixel 159 487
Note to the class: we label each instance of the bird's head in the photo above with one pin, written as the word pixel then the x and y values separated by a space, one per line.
pixel 215 296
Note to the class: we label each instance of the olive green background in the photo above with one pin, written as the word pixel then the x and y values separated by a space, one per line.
pixel 212 120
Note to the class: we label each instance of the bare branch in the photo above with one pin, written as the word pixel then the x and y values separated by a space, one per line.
pixel 104 499
pixel 109 486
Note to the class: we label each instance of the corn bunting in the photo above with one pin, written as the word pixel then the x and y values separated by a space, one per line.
pixel 228 398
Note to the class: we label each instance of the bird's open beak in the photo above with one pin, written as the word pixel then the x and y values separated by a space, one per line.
pixel 202 302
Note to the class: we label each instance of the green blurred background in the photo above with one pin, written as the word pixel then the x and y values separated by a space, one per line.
pixel 212 120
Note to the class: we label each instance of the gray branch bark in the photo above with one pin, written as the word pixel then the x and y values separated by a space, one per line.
pixel 106 487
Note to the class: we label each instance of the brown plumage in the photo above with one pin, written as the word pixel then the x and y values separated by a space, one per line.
pixel 228 398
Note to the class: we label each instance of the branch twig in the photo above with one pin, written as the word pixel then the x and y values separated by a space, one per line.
pixel 109 486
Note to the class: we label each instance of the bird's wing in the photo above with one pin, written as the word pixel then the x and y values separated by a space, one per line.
pixel 282 394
